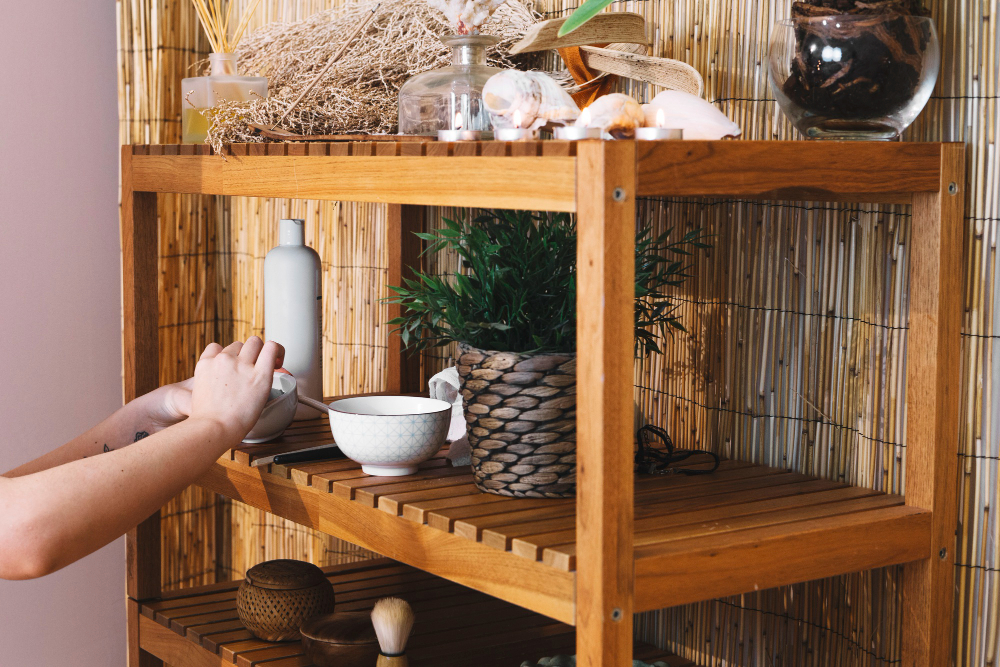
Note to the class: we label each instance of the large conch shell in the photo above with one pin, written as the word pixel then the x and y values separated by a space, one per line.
pixel 535 97
pixel 617 115
pixel 699 119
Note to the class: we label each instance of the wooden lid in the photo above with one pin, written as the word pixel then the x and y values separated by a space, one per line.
pixel 345 627
pixel 285 575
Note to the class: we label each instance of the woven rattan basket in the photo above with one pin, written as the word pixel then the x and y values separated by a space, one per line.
pixel 521 411
pixel 277 596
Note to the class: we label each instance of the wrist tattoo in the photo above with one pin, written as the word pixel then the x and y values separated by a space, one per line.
pixel 106 448
pixel 139 435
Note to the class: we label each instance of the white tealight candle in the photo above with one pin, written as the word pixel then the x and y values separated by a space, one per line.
pixel 457 133
pixel 516 133
pixel 579 130
pixel 574 133
pixel 659 132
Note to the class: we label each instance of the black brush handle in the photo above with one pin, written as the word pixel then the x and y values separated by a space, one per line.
pixel 327 453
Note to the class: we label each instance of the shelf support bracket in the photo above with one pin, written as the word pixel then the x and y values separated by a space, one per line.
pixel 933 360
pixel 605 196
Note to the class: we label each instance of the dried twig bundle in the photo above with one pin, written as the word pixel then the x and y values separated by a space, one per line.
pixel 359 93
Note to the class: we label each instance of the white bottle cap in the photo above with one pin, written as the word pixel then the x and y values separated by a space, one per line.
pixel 291 231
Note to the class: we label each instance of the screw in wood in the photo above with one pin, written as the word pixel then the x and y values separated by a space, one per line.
pixel 953 188
pixel 616 614
pixel 618 195
pixel 943 554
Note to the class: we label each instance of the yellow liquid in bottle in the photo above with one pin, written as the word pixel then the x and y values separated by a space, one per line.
pixel 194 126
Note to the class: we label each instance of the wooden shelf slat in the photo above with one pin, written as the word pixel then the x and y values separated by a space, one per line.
pixel 454 626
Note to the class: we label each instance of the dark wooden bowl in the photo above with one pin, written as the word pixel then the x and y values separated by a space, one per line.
pixel 342 639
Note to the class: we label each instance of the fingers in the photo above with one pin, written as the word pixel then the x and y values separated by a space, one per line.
pixel 233 348
pixel 270 358
pixel 251 349
pixel 212 350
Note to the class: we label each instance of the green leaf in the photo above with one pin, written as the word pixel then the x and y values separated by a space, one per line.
pixel 583 13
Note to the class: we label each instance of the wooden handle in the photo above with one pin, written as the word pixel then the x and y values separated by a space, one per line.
pixel 322 408
pixel 392 661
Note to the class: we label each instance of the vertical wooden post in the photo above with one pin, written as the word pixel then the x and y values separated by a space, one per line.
pixel 605 573
pixel 140 354
pixel 403 367
pixel 932 393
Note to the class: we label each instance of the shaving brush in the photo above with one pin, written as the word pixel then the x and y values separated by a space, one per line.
pixel 393 621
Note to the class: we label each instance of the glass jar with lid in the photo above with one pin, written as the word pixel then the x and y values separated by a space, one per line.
pixel 450 98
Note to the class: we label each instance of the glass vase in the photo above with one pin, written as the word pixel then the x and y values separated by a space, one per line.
pixel 853 76
pixel 450 98
pixel 204 92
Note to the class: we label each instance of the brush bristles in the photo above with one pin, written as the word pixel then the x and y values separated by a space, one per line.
pixel 393 621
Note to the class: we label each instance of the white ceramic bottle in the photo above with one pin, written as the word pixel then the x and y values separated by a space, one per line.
pixel 293 309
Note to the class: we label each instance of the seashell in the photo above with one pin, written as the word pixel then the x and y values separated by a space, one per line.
pixel 617 115
pixel 466 15
pixel 537 97
pixel 699 119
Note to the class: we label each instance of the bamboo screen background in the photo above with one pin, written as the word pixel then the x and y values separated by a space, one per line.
pixel 797 325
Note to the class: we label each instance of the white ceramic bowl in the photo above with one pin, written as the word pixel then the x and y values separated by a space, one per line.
pixel 278 412
pixel 389 435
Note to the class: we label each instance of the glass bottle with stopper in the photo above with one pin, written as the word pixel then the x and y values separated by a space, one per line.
pixel 204 92
pixel 439 99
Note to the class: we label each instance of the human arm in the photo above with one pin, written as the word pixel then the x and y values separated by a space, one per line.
pixel 147 415
pixel 53 517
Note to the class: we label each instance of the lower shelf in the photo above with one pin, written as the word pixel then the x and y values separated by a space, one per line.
pixel 455 626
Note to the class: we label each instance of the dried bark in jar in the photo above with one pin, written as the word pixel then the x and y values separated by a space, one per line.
pixel 867 66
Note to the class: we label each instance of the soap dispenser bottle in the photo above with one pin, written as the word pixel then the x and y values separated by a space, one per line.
pixel 293 309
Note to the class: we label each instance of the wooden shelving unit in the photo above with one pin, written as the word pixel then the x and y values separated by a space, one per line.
pixel 627 543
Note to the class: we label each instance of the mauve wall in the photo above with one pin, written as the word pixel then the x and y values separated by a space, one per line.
pixel 59 299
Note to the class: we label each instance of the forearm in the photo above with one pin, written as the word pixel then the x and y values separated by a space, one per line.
pixel 127 425
pixel 51 518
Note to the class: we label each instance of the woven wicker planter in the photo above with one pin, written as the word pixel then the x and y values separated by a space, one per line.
pixel 521 410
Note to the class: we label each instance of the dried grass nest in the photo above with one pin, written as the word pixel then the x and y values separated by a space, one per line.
pixel 359 93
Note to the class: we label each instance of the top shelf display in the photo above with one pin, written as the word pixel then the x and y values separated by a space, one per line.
pixel 539 174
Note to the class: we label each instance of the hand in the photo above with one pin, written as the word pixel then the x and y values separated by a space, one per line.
pixel 168 405
pixel 231 385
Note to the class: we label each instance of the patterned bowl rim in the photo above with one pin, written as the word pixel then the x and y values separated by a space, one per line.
pixel 443 406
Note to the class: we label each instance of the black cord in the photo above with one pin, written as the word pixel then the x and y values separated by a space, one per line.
pixel 657 461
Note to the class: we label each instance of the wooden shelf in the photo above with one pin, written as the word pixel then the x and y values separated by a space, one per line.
pixel 539 174
pixel 694 536
pixel 455 627
pixel 626 544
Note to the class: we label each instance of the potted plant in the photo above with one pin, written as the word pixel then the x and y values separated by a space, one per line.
pixel 512 312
